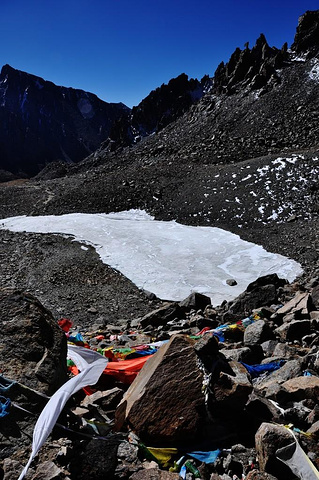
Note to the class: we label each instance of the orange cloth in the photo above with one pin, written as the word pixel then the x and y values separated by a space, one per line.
pixel 126 370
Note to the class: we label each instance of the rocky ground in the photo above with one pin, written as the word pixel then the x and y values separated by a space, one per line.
pixel 244 159
pixel 226 389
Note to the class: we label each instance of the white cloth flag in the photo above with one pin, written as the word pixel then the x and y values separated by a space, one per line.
pixel 298 462
pixel 91 365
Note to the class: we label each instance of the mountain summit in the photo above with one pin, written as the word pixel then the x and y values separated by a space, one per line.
pixel 42 122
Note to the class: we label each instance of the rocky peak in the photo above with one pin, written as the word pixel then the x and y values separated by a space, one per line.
pixel 51 122
pixel 161 107
pixel 252 67
pixel 307 34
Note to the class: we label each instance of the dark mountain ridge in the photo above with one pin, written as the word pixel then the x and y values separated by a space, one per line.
pixel 42 122
pixel 264 100
pixel 160 108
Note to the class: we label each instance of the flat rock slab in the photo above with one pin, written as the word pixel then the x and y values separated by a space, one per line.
pixel 299 305
pixel 165 404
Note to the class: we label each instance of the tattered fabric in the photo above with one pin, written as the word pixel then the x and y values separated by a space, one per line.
pixel 256 370
pixel 91 364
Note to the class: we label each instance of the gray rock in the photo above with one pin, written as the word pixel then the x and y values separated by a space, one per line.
pixel 237 354
pixel 294 330
pixel 207 350
pixel 154 474
pixel 315 296
pixel 127 451
pixel 257 332
pixel 108 399
pixel 268 347
pixel 195 301
pixel 270 386
pixel 162 315
pixel 97 460
pixel 253 298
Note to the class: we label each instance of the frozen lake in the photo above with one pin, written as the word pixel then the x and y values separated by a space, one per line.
pixel 166 258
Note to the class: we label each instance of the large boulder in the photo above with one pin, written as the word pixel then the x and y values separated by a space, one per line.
pixel 299 388
pixel 269 438
pixel 195 301
pixel 293 330
pixel 33 346
pixel 165 404
pixel 162 315
pixel 257 333
pixel 261 292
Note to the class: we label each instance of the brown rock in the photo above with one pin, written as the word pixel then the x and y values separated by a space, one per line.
pixel 300 305
pixel 269 438
pixel 154 474
pixel 232 388
pixel 300 388
pixel 36 353
pixel 257 475
pixel 48 471
pixel 11 469
pixel 165 403
pixel 263 408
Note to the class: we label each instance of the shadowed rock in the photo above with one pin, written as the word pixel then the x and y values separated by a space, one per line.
pixel 269 438
pixel 35 355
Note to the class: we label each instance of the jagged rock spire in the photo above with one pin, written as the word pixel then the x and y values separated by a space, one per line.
pixel 249 66
pixel 307 34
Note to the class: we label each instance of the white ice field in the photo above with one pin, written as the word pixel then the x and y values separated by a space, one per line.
pixel 166 258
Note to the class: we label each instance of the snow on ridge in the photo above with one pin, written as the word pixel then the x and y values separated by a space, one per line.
pixel 314 72
pixel 167 258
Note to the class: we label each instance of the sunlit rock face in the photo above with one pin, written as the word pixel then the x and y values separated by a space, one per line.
pixel 166 258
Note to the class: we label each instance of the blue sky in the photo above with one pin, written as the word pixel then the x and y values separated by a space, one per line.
pixel 122 49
